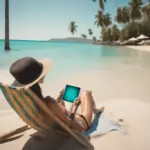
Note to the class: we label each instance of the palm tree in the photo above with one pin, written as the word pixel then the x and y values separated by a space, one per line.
pixel 135 9
pixel 90 32
pixel 83 36
pixel 146 11
pixel 106 34
pixel 107 20
pixel 72 27
pixel 99 19
pixel 115 32
pixel 7 43
pixel 125 15
pixel 101 3
pixel 103 20
pixel 122 15
pixel 94 38
pixel 103 31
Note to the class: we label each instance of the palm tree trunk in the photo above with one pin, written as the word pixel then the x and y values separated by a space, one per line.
pixel 7 45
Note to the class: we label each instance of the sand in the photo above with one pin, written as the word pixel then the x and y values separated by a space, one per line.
pixel 122 86
pixel 134 135
pixel 140 47
pixel 122 90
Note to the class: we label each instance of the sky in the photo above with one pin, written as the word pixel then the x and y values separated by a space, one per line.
pixel 46 19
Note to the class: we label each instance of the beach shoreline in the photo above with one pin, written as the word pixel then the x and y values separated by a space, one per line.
pixel 145 48
pixel 121 85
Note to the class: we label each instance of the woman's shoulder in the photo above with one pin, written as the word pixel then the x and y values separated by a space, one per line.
pixel 49 99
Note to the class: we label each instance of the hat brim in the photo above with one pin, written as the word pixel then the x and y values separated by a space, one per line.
pixel 47 65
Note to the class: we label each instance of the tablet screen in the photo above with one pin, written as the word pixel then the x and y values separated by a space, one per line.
pixel 71 93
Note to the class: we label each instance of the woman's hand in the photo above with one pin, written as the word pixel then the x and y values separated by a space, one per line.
pixel 59 98
pixel 75 105
pixel 77 101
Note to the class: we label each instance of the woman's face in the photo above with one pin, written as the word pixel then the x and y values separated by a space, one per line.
pixel 42 80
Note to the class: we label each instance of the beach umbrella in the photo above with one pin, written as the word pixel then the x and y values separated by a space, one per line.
pixel 142 37
pixel 132 39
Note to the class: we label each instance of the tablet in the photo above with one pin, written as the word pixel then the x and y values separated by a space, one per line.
pixel 71 93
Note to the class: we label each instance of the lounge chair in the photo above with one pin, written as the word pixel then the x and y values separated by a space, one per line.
pixel 26 104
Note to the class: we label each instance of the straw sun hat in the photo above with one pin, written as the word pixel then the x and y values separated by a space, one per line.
pixel 27 71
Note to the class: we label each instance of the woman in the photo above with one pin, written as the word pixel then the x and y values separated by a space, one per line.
pixel 30 73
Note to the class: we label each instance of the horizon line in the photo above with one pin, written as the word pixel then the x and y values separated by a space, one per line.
pixel 43 40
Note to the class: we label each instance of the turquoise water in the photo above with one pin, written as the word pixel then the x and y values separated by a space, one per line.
pixel 68 58
pixel 121 72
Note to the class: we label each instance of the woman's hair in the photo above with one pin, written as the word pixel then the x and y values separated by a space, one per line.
pixel 36 89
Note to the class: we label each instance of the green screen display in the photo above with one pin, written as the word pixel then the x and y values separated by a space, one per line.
pixel 71 93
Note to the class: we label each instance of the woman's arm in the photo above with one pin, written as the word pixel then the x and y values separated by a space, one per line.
pixel 74 108
pixel 59 98
pixel 56 109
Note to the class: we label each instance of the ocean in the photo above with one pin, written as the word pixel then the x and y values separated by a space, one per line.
pixel 109 71
pixel 68 58
pixel 71 58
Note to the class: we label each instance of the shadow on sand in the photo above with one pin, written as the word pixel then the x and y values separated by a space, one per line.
pixel 54 141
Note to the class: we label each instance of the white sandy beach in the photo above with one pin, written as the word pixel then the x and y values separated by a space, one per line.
pixel 140 47
pixel 122 87
pixel 123 91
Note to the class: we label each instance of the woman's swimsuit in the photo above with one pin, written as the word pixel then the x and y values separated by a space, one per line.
pixel 83 123
pixel 66 113
pixel 80 122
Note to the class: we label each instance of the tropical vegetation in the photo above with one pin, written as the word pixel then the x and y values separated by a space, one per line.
pixel 134 18
pixel 83 36
pixel 106 21
pixel 146 11
pixel 73 27
pixel 101 3
pixel 135 9
pixel 94 38
pixel 102 20
pixel 122 15
pixel 110 34
pixel 90 32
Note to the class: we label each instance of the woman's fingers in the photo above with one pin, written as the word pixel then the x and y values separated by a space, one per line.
pixel 77 101
pixel 60 95
pixel 62 91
